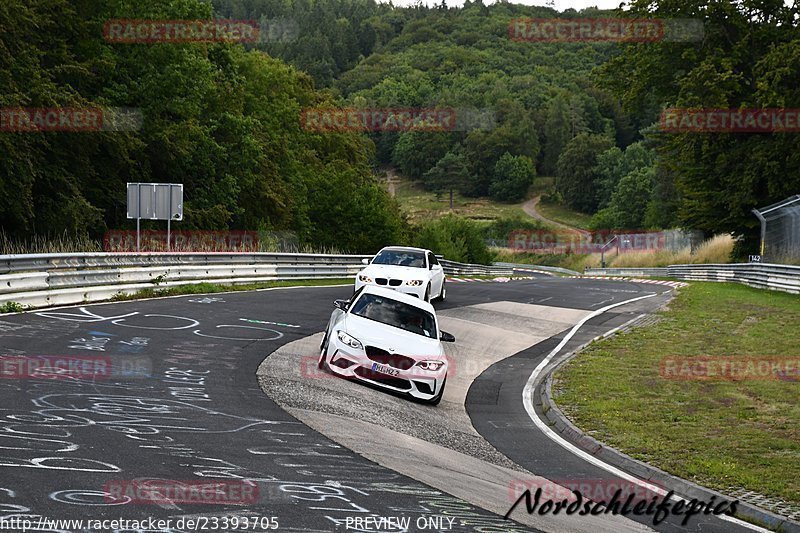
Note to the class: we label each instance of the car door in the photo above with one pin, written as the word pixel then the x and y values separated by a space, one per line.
pixel 437 275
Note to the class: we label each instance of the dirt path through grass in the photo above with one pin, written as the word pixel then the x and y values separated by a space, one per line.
pixel 530 208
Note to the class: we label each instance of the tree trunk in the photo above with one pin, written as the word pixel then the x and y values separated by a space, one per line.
pixel 451 199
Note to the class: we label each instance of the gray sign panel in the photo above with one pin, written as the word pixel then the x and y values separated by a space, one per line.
pixel 155 201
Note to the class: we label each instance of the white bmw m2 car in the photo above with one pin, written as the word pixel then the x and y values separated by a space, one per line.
pixel 413 271
pixel 389 339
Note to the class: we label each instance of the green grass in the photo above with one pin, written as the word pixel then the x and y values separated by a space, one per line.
pixel 12 307
pixel 564 215
pixel 720 434
pixel 209 288
pixel 421 205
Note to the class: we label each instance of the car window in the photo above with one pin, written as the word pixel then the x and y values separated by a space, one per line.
pixel 432 259
pixel 408 258
pixel 397 314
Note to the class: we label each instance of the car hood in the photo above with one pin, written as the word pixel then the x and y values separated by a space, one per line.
pixel 391 339
pixel 396 272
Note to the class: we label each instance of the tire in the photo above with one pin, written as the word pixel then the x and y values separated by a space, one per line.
pixel 442 293
pixel 438 398
pixel 428 293
pixel 322 349
pixel 324 340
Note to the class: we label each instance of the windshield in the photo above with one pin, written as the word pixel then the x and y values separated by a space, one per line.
pixel 397 314
pixel 400 258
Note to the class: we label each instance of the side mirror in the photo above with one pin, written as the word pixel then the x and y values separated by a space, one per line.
pixel 446 337
pixel 341 304
pixel 365 261
pixel 436 267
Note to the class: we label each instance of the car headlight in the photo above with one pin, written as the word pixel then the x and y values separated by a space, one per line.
pixel 414 282
pixel 348 340
pixel 365 279
pixel 433 366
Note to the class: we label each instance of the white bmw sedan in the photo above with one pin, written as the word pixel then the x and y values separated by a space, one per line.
pixel 388 339
pixel 413 271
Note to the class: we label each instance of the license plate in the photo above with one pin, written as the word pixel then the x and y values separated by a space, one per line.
pixel 384 369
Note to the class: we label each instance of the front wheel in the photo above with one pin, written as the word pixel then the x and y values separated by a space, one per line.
pixel 442 293
pixel 428 293
pixel 322 352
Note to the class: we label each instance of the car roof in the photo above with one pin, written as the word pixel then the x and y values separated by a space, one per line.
pixel 404 248
pixel 400 297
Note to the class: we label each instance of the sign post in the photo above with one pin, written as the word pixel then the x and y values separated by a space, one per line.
pixel 155 201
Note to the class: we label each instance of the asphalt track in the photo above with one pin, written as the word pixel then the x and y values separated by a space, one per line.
pixel 182 403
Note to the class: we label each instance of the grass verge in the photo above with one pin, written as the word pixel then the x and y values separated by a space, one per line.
pixel 564 215
pixel 421 205
pixel 209 288
pixel 725 435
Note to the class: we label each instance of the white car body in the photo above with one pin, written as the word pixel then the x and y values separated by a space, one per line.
pixel 358 345
pixel 413 271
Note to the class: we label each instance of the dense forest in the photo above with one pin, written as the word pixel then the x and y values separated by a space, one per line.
pixel 224 118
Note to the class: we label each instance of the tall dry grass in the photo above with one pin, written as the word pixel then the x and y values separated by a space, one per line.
pixel 65 243
pixel 718 249
pixel 715 250
pixel 44 244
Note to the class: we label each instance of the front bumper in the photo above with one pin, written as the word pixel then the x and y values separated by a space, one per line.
pixel 418 291
pixel 416 382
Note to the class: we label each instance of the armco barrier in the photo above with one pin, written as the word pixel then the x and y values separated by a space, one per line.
pixel 465 269
pixel 784 278
pixel 659 272
pixel 40 280
pixel 557 270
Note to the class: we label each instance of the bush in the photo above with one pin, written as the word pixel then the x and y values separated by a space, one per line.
pixel 501 228
pixel 457 239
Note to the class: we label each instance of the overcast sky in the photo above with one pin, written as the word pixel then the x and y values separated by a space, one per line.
pixel 560 5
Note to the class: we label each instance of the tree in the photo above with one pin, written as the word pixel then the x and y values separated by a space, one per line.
pixel 748 57
pixel 513 175
pixel 613 164
pixel 416 152
pixel 576 177
pixel 557 133
pixel 451 172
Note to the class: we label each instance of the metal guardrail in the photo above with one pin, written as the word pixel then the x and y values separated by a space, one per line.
pixel 520 266
pixel 784 278
pixel 465 269
pixel 10 264
pixel 39 280
pixel 632 271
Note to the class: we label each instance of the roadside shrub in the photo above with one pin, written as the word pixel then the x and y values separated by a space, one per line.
pixel 500 229
pixel 456 238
